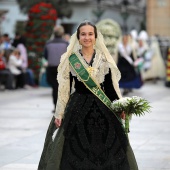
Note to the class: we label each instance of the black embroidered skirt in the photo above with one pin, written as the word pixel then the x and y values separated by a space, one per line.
pixel 94 139
pixel 90 138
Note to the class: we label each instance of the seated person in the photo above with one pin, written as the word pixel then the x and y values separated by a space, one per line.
pixel 14 65
pixel 20 43
pixel 6 77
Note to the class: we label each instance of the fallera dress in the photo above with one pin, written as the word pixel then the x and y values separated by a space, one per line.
pixel 130 76
pixel 90 137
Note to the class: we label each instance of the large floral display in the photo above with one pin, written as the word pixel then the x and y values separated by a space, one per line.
pixel 42 18
pixel 111 33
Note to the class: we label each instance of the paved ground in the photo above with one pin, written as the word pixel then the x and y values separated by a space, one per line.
pixel 25 115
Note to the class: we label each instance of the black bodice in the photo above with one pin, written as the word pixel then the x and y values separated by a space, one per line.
pixel 106 86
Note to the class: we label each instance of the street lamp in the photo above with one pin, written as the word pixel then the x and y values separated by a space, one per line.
pixel 125 14
pixel 128 7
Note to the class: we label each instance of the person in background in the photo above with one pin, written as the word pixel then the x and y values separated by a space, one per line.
pixel 6 76
pixel 6 46
pixel 53 50
pixel 15 66
pixel 43 74
pixel 126 63
pixel 133 42
pixel 1 41
pixel 90 136
pixel 66 37
pixel 154 66
pixel 20 43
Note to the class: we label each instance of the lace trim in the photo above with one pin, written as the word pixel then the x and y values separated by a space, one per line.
pixel 63 78
pixel 100 67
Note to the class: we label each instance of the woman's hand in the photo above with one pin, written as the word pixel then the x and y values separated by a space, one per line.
pixel 123 115
pixel 58 122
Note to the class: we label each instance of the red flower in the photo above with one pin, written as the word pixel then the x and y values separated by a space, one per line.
pixel 37 67
pixel 47 5
pixel 30 48
pixel 44 24
pixel 30 23
pixel 35 9
pixel 42 17
pixel 44 36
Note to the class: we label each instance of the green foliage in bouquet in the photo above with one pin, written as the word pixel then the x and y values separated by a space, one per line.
pixel 135 105
pixel 131 106
pixel 138 106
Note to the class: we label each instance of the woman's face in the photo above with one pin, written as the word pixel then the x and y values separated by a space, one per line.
pixel 140 43
pixel 87 36
pixel 125 39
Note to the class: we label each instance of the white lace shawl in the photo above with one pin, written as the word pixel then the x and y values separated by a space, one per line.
pixel 100 69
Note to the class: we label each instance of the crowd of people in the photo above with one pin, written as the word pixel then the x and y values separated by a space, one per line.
pixel 137 54
pixel 14 71
pixel 139 60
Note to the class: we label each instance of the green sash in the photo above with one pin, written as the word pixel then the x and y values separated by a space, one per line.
pixel 84 75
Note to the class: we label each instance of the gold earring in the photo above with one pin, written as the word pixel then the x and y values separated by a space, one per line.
pixel 80 46
pixel 94 45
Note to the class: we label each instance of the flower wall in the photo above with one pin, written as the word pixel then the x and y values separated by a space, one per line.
pixel 42 19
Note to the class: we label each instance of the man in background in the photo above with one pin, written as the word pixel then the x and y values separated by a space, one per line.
pixel 54 48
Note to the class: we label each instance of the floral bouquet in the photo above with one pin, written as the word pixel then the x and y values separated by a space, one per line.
pixel 131 106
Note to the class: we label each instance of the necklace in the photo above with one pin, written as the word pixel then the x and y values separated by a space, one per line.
pixel 87 54
pixel 87 57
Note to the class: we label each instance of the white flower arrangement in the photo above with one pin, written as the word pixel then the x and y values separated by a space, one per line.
pixel 131 106
pixel 111 32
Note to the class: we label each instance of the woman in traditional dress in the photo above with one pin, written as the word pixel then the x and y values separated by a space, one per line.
pixel 130 77
pixel 89 136
pixel 156 68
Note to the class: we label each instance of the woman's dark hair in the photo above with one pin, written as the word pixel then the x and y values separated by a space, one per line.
pixel 86 23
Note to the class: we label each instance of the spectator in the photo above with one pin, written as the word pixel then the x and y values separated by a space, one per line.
pixel 15 66
pixel 154 67
pixel 6 42
pixel 6 76
pixel 20 43
pixel 53 51
pixel 67 37
pixel 129 77
pixel 6 46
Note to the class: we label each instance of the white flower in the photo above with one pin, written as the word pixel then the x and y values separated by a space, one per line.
pixel 120 102
pixel 131 106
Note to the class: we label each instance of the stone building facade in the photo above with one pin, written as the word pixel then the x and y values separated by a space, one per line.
pixel 158 17
pixel 82 10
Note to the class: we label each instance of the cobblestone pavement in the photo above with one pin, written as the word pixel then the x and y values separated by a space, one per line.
pixel 25 116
